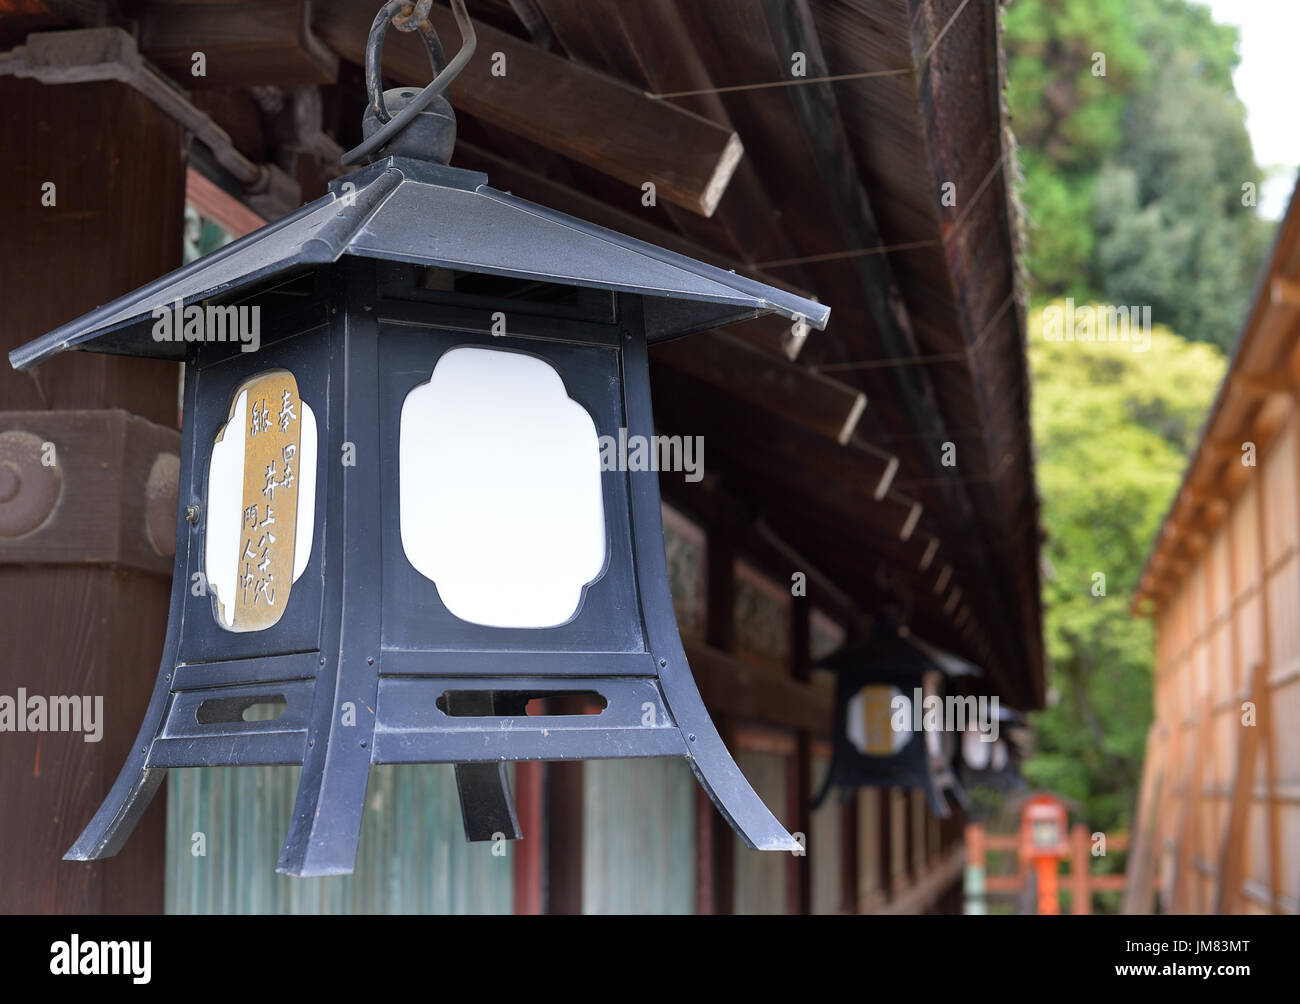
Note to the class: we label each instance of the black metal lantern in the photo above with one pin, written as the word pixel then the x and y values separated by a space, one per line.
pixel 887 690
pixel 992 759
pixel 396 529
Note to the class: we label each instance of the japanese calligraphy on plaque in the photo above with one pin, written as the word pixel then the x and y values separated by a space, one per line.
pixel 272 427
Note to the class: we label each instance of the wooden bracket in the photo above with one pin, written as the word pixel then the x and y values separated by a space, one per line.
pixel 88 487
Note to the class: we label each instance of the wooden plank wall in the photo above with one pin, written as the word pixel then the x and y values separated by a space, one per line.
pixel 1228 635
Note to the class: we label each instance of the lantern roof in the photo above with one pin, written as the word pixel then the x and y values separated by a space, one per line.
pixel 407 210
pixel 888 649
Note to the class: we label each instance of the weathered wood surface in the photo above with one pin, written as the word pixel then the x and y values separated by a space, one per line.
pixel 78 630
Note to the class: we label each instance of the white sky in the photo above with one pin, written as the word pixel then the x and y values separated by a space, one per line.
pixel 1268 83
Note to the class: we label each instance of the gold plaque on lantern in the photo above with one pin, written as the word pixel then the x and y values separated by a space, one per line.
pixel 268 409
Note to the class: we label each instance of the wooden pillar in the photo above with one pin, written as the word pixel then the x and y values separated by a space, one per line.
pixel 715 891
pixel 849 854
pixel 564 784
pixel 528 850
pixel 111 221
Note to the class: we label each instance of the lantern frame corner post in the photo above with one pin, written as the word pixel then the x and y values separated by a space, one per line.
pixel 329 805
pixel 710 760
pixel 137 782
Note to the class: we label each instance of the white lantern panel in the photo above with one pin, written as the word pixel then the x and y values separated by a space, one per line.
pixel 975 750
pixel 880 720
pixel 499 489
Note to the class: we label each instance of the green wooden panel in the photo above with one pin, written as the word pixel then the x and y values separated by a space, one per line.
pixel 762 876
pixel 638 837
pixel 413 856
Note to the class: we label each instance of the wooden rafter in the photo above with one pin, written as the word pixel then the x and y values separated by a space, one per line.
pixel 559 104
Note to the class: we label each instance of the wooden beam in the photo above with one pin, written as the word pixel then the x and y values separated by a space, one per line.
pixel 774 335
pixel 740 689
pixel 1284 292
pixel 790 391
pixel 1259 384
pixel 268 43
pixel 559 104
pixel 649 44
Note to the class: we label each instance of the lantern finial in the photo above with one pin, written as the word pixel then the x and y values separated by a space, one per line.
pixel 402 121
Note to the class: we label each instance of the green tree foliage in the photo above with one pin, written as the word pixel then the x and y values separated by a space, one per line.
pixel 1133 177
pixel 1113 428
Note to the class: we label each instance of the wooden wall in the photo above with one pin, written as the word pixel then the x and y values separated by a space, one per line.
pixel 1222 795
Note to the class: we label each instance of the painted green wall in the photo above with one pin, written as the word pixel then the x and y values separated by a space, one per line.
pixel 413 857
pixel 638 837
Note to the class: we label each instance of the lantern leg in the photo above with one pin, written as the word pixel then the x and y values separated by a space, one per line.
pixel 486 806
pixel 827 783
pixel 715 769
pixel 487 809
pixel 134 788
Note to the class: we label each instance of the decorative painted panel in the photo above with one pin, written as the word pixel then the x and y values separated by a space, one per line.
pixel 762 618
pixel 685 546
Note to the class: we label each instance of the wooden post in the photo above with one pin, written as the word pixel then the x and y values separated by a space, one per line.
pixel 849 854
pixel 1080 871
pixel 93 201
pixel 1227 891
pixel 1145 852
pixel 564 855
pixel 528 849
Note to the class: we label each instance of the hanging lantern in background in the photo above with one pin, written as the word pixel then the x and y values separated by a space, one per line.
pixel 889 729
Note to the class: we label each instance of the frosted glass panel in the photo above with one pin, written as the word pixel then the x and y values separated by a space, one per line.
pixel 500 498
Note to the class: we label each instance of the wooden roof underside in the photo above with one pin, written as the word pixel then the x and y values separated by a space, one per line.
pixel 931 331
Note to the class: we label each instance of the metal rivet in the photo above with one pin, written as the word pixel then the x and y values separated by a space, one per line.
pixel 691 737
pixel 191 514
pixel 663 662
pixel 370 660
pixel 363 744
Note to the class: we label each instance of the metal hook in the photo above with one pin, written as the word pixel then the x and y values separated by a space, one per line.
pixel 406 17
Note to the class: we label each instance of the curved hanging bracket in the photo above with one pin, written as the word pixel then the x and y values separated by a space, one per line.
pixel 408 17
